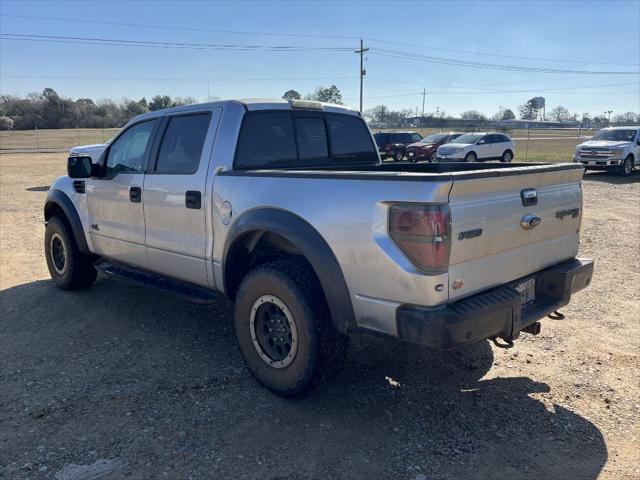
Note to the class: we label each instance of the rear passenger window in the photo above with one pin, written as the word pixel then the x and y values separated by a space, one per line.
pixel 350 140
pixel 182 144
pixel 312 139
pixel 266 140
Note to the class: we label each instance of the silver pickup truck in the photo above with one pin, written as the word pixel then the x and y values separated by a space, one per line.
pixel 286 208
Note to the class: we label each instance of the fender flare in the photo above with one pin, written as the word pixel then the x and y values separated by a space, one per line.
pixel 60 199
pixel 311 244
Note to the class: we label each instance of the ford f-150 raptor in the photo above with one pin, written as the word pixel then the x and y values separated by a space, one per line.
pixel 286 208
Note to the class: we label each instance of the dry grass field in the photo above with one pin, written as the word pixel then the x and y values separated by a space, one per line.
pixel 53 139
pixel 148 386
pixel 554 145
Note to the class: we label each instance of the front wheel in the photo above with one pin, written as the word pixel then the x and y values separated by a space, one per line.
pixel 69 268
pixel 627 167
pixel 507 156
pixel 470 157
pixel 399 155
pixel 283 328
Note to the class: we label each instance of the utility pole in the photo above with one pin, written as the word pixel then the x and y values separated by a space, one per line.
pixel 424 96
pixel 362 70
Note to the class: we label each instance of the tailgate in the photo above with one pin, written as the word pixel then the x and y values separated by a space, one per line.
pixel 490 246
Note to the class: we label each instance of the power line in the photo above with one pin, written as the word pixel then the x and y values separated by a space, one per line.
pixel 170 79
pixel 156 44
pixel 307 35
pixel 490 66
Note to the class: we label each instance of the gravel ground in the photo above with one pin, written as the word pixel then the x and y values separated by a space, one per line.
pixel 122 382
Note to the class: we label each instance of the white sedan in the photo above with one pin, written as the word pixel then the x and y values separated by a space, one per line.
pixel 477 147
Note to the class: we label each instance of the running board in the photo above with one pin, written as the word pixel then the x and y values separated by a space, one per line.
pixel 176 288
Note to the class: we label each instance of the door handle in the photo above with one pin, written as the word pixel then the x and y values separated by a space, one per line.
pixel 135 194
pixel 193 199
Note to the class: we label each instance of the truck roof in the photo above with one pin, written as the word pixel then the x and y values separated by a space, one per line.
pixel 252 104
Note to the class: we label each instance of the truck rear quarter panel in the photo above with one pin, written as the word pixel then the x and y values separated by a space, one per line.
pixel 351 216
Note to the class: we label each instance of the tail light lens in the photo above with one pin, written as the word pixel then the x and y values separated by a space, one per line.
pixel 423 233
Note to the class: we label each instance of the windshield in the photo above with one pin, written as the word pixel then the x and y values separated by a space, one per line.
pixel 468 138
pixel 615 135
pixel 434 138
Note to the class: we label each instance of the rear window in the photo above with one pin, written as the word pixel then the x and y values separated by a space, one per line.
pixel 266 140
pixel 182 143
pixel 312 140
pixel 282 139
pixel 350 140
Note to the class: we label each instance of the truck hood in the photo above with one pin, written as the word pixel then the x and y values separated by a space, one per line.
pixel 604 143
pixel 94 151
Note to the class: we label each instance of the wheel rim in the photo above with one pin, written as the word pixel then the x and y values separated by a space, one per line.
pixel 273 331
pixel 627 166
pixel 58 254
pixel 469 158
pixel 507 157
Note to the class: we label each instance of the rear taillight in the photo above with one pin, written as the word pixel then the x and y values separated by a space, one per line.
pixel 423 233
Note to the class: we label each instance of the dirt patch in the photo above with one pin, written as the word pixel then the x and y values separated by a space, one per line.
pixel 156 385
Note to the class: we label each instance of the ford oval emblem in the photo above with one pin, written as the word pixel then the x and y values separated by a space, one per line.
pixel 529 221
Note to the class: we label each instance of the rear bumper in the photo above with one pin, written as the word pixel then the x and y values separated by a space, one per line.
pixel 495 313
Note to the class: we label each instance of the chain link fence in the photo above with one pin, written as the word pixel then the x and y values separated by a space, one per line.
pixel 53 140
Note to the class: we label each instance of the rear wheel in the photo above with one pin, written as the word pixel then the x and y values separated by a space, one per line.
pixel 507 156
pixel 69 268
pixel 283 328
pixel 627 166
pixel 470 157
pixel 399 155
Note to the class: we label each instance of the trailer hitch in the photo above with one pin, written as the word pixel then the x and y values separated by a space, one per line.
pixel 556 315
pixel 508 343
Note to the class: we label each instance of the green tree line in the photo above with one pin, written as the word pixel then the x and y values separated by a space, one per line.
pixel 47 109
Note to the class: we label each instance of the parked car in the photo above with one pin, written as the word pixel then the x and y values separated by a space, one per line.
pixel 426 148
pixel 478 147
pixel 286 208
pixel 614 148
pixel 394 144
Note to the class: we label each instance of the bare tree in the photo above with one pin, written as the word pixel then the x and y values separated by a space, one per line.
pixel 560 114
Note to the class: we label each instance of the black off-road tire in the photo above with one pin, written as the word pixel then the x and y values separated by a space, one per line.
pixel 321 349
pixel 398 155
pixel 70 269
pixel 627 166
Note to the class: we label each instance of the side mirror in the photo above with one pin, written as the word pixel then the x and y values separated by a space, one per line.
pixel 79 167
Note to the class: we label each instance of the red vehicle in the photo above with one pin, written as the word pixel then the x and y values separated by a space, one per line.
pixel 426 148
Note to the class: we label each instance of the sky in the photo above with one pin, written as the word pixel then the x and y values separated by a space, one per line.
pixel 539 48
